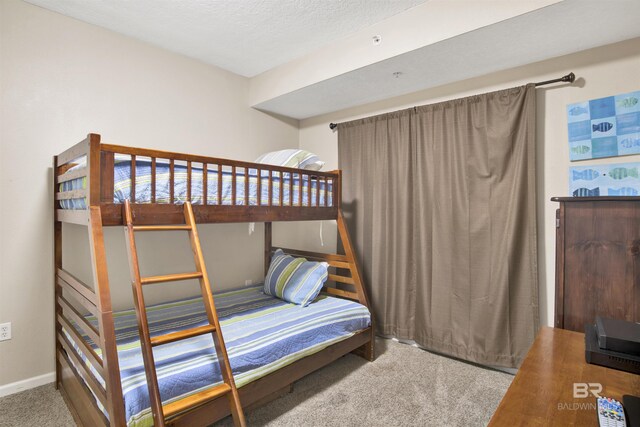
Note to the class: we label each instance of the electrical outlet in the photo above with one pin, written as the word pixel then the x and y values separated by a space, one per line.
pixel 5 331
pixel 248 282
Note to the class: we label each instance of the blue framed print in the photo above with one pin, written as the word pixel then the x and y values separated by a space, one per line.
pixel 604 127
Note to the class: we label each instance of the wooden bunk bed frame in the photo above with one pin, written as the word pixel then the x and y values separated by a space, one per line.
pixel 78 388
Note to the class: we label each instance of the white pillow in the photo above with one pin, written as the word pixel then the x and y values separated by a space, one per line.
pixel 292 158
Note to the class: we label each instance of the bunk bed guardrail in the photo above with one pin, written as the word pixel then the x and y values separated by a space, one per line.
pixel 273 193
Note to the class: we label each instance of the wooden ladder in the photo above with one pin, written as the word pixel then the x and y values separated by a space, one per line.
pixel 162 412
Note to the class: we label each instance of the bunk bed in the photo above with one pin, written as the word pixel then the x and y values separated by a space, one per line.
pixel 93 182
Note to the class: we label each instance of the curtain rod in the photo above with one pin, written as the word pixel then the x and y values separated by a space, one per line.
pixel 568 78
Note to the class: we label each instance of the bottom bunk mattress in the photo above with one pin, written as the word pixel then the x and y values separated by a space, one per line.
pixel 262 334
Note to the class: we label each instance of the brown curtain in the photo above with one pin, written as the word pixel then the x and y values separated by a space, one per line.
pixel 441 204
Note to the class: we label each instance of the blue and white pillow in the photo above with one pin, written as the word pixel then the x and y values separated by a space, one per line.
pixel 292 158
pixel 295 280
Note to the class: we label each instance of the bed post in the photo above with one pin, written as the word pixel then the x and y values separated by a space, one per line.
pixel 367 350
pixel 101 282
pixel 105 319
pixel 57 264
pixel 267 247
pixel 106 176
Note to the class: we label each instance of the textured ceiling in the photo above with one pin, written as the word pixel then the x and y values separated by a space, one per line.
pixel 246 37
pixel 556 30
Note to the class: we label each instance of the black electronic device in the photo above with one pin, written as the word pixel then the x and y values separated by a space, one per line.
pixel 632 408
pixel 618 335
pixel 611 359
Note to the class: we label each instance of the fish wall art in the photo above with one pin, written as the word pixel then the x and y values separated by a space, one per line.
pixel 604 127
pixel 621 179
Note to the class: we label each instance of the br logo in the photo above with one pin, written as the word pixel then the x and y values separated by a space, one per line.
pixel 582 390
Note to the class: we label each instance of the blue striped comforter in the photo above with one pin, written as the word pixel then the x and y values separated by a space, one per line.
pixel 122 186
pixel 262 334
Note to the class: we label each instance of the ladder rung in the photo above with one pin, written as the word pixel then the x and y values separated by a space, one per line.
pixel 182 335
pixel 174 408
pixel 160 227
pixel 169 278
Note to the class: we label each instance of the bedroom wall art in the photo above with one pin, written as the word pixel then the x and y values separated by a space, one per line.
pixel 619 179
pixel 604 127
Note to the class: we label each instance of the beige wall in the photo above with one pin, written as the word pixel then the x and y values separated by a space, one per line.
pixel 61 79
pixel 604 71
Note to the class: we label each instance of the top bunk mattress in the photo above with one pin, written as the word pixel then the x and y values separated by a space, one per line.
pixel 122 186
pixel 262 334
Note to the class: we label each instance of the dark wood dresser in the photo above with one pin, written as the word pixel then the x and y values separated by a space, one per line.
pixel 597 260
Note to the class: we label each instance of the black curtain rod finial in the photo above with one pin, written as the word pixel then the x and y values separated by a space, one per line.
pixel 332 126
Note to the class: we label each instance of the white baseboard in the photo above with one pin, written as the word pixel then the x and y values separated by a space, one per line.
pixel 23 385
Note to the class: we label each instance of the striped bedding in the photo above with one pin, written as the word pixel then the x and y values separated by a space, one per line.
pixel 122 186
pixel 262 334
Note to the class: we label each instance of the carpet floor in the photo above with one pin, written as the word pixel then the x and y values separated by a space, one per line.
pixel 405 386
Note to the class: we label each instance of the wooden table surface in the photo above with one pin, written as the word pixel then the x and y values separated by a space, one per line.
pixel 542 391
